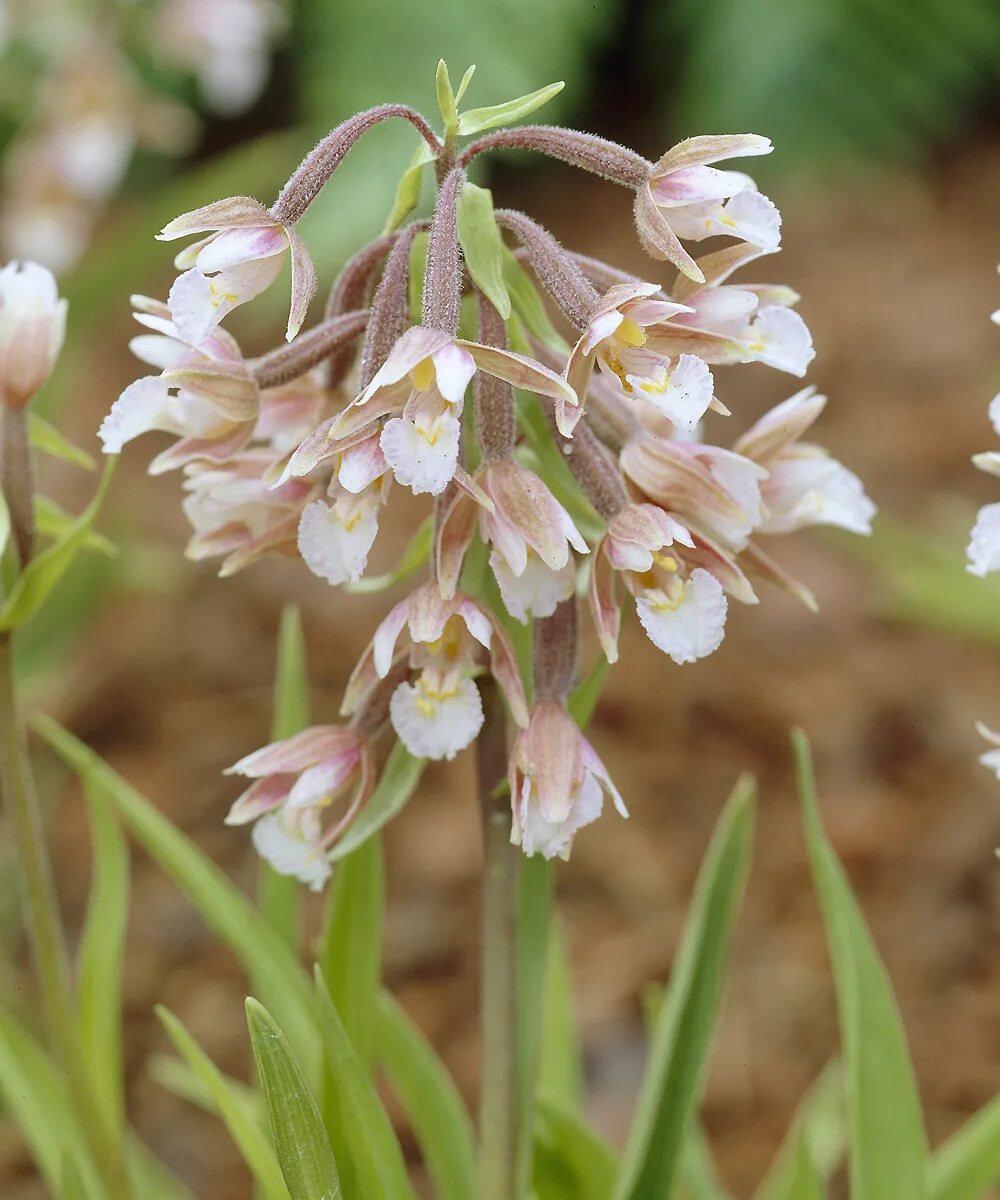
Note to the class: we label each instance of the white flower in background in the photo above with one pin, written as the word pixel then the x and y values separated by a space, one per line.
pixel 32 329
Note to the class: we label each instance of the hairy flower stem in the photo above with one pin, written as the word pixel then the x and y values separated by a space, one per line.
pixel 320 163
pixel 443 277
pixel 45 934
pixel 590 153
pixel 496 420
pixel 555 641
pixel 308 350
pixel 554 266
pixel 593 468
pixel 17 471
pixel 390 309
pixel 351 290
pixel 498 1088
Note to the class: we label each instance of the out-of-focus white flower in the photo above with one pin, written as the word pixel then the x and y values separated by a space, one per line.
pixel 32 328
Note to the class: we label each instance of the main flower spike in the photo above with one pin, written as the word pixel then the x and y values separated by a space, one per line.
pixel 588 464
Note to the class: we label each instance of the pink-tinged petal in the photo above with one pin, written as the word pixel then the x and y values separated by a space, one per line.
pixel 158 351
pixel 143 406
pixel 476 620
pixel 658 239
pixel 436 723
pixel 361 465
pixel 622 296
pixel 503 665
pixel 554 839
pixel 235 212
pixel 721 564
pixel 520 371
pixel 600 328
pixel 228 389
pixel 808 487
pixel 185 259
pixel 303 283
pixel 363 678
pixel 202 449
pixel 454 538
pixel 261 797
pixel 694 185
pixel 709 148
pixel 781 426
pixel 423 457
pixel 655 312
pixel 319 784
pixel 525 502
pixel 750 215
pixel 453 371
pixel 237 246
pixel 198 303
pixel 725 308
pixel 554 753
pixel 294 754
pixel 605 608
pixel 690 625
pixel 416 344
pixel 989 461
pixel 462 479
pixel 579 369
pixel 386 636
pixel 593 764
pixel 984 543
pixel 279 538
pixel 762 566
pixel 537 591
pixel 717 267
pixel 781 339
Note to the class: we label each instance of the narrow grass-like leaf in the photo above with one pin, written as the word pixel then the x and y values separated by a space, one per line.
pixel 432 1103
pixel 412 559
pixel 446 98
pixel 968 1163
pixel 409 187
pixel 534 908
pixel 527 303
pixel 46 439
pixel 4 524
pixel 819 1122
pixel 797 1177
pixel 150 1178
pixel 585 696
pixel 279 897
pixel 363 1127
pixel 300 1141
pixel 681 1042
pixel 72 1186
pixel 400 777
pixel 475 120
pixel 698 1178
pixel 257 1151
pixel 99 962
pixel 560 1069
pixel 267 959
pixel 45 570
pixel 482 245
pixel 54 522
pixel 350 954
pixel 571 1161
pixel 888 1148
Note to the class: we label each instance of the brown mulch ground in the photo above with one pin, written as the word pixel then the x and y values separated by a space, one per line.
pixel 897 287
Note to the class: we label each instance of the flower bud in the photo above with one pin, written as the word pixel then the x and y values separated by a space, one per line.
pixel 32 327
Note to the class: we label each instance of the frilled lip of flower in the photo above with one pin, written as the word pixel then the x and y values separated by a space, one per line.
pixel 522 515
pixel 424 614
pixel 555 756
pixel 429 358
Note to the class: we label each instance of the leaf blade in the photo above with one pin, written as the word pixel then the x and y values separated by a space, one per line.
pixel 475 120
pixel 482 245
pixel 399 781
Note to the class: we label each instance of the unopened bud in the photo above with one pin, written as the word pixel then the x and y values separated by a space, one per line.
pixel 32 327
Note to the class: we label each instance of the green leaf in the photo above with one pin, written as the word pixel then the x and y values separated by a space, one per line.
pixel 820 1123
pixel 968 1163
pixel 529 306
pixel 350 954
pixel 399 780
pixel 430 1099
pixel 46 439
pixel 681 1042
pixel 585 696
pixel 45 570
pixel 99 962
pixel 418 268
pixel 73 1186
pixel 482 245
pixel 797 1178
pixel 279 897
pixel 267 959
pixel 571 1161
pixel 475 120
pixel 888 1147
pixel 54 521
pixel 300 1141
pixel 414 556
pixel 446 98
pixel 560 1070
pixel 231 1107
pixel 534 909
pixel 363 1128
pixel 409 187
pixel 698 1178
pixel 4 524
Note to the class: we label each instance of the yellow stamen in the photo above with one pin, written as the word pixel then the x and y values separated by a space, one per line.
pixel 630 333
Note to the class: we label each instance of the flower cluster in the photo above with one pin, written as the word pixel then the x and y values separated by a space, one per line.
pixel 300 450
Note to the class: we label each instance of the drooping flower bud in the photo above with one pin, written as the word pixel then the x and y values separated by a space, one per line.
pixel 32 328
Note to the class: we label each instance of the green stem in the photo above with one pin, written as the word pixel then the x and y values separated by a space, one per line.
pixel 497 1108
pixel 17 786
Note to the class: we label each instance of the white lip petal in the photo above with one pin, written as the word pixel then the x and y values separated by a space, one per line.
pixel 287 842
pixel 692 625
pixel 984 543
pixel 435 723
pixel 422 457
pixel 537 591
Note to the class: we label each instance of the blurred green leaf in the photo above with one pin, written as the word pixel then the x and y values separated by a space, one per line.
pixel 399 780
pixel 46 439
pixel 36 582
pixel 560 1069
pixel 242 1125
pixel 4 524
pixel 279 897
pixel 586 695
pixel 968 1164
pixel 476 120
pixel 300 1141
pixel 52 521
pixel 482 245
pixel 350 953
pixel 819 1122
pixel 99 960
pixel 413 557
pixel 698 1178
pixel 73 1186
pixel 571 1161
pixel 529 306
pixel 409 187
pixel 797 1178
pixel 274 969
pixel 888 1148
pixel 430 1099
pixel 681 1042
pixel 364 1129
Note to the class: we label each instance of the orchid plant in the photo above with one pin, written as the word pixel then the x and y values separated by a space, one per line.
pixel 579 473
